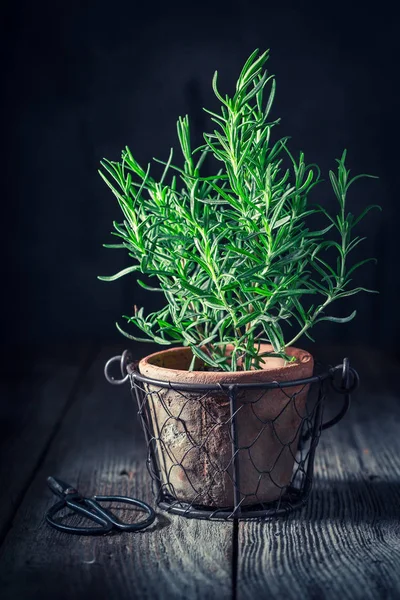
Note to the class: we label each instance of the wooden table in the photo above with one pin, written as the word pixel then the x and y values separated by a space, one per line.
pixel 62 418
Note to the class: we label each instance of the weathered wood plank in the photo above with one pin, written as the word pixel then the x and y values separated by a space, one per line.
pixel 100 448
pixel 345 543
pixel 35 390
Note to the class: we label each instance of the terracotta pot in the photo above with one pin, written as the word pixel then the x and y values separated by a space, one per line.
pixel 193 430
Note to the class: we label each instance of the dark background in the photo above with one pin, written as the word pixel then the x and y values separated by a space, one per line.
pixel 82 80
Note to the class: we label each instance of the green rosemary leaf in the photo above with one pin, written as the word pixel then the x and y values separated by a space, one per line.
pixel 251 65
pixel 365 212
pixel 118 275
pixel 214 85
pixel 206 358
pixel 360 264
pixel 213 302
pixel 338 319
pixel 355 291
pixel 247 319
pixel 359 177
pixel 335 185
pixel 148 287
pixel 153 339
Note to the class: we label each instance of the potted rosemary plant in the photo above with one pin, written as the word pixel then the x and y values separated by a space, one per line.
pixel 243 275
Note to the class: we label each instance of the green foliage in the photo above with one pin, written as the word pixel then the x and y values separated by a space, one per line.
pixel 233 253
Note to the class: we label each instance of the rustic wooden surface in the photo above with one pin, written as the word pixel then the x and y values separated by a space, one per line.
pixel 64 419
pixel 346 542
pixel 34 401
pixel 99 447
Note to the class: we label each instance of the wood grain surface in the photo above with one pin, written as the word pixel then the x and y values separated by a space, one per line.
pixel 346 542
pixel 64 419
pixel 100 449
pixel 35 391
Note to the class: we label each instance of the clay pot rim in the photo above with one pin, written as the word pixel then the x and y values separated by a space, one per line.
pixel 304 360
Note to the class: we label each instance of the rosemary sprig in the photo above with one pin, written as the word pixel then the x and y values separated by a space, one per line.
pixel 233 253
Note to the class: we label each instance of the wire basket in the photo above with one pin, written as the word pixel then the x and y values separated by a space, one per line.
pixel 232 451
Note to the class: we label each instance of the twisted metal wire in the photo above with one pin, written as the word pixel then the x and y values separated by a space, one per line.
pixel 165 427
pixel 188 426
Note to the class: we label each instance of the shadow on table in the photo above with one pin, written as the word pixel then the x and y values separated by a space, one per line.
pixel 360 501
pixel 49 582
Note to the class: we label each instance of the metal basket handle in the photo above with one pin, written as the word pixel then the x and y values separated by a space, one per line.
pixel 124 359
pixel 348 384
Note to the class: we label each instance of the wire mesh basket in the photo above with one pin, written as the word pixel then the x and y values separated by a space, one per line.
pixel 233 451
